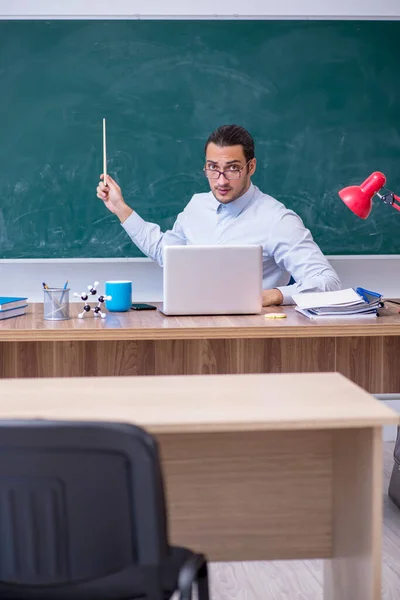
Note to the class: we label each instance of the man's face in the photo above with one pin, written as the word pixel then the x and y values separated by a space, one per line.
pixel 233 160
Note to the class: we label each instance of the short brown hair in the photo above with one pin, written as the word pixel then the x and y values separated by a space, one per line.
pixel 232 135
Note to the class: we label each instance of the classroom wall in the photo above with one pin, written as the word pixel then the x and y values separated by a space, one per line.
pixel 207 8
pixel 24 277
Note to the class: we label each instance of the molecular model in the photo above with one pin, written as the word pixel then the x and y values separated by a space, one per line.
pixel 100 300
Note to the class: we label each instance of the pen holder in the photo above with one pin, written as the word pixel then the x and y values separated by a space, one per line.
pixel 56 304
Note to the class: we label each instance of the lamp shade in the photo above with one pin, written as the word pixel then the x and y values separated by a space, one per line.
pixel 358 198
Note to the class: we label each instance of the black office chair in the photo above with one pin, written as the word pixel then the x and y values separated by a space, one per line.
pixel 82 516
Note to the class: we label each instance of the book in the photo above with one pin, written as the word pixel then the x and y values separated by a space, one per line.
pixel 12 312
pixel 312 315
pixel 6 303
pixel 358 302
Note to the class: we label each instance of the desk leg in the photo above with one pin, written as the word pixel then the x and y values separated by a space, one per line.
pixel 354 571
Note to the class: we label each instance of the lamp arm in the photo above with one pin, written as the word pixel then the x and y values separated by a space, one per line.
pixel 390 198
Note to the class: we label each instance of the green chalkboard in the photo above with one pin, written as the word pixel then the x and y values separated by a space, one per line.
pixel 322 99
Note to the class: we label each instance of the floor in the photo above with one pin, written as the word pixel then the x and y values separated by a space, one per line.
pixel 302 580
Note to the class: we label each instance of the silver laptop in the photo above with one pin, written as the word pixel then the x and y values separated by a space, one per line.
pixel 212 280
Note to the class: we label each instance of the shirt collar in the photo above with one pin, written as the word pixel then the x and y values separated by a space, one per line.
pixel 236 207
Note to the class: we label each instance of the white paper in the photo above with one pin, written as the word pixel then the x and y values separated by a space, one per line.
pixel 307 314
pixel 347 297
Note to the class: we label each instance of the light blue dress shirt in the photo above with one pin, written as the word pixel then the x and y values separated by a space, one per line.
pixel 254 218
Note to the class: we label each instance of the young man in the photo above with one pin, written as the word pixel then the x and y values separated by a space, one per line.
pixel 235 212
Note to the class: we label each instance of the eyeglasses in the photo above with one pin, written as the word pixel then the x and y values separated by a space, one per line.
pixel 232 173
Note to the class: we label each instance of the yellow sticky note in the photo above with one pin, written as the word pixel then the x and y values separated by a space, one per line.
pixel 275 316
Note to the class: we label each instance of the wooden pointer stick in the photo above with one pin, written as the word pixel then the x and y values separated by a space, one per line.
pixel 104 153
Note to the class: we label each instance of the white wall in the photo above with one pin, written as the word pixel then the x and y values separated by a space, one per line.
pixel 25 277
pixel 206 8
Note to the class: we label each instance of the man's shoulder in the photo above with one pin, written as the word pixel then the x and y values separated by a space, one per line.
pixel 273 210
pixel 268 203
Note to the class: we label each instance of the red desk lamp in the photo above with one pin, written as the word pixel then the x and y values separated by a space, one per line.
pixel 358 198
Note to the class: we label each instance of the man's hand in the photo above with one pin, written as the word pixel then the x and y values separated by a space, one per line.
pixel 272 297
pixel 112 197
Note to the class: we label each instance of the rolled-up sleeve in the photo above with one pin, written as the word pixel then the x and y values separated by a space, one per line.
pixel 294 250
pixel 149 238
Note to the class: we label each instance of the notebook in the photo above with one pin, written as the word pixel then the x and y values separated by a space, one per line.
pixel 12 312
pixel 6 303
pixel 358 302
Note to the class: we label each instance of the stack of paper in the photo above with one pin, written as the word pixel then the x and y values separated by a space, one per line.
pixel 351 302
pixel 12 307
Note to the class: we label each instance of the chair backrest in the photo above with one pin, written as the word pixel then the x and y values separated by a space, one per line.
pixel 79 503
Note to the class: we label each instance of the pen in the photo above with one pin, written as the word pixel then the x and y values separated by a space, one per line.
pixel 62 295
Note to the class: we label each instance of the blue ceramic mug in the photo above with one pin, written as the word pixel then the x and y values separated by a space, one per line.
pixel 121 295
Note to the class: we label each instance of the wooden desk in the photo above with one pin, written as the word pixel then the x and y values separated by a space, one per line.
pixel 148 343
pixel 256 467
